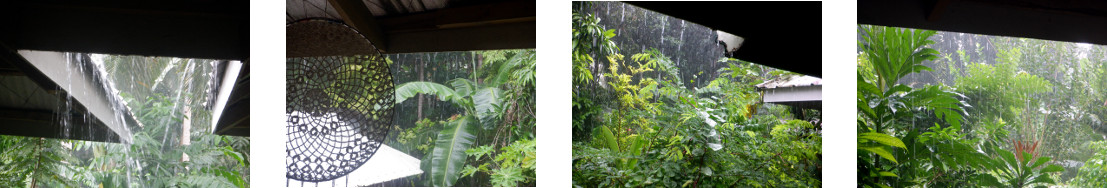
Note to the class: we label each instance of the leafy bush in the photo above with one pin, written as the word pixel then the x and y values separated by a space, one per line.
pixel 922 134
pixel 1095 169
pixel 658 133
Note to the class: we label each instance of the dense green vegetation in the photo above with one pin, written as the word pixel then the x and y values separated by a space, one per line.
pixel 477 126
pixel 641 120
pixel 962 110
pixel 163 94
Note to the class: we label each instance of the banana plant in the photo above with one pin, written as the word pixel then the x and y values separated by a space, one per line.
pixel 482 99
pixel 443 165
pixel 448 157
pixel 483 104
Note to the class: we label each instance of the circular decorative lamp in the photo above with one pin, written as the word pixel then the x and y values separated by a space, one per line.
pixel 340 100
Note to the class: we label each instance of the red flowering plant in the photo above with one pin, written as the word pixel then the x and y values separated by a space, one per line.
pixel 1023 168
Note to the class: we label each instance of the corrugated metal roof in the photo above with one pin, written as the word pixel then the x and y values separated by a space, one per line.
pixel 793 81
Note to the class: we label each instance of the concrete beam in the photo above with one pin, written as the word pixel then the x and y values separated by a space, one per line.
pixel 793 94
pixel 232 111
pixel 54 70
pixel 23 122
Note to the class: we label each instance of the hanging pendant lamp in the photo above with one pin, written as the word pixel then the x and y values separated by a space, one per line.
pixel 340 99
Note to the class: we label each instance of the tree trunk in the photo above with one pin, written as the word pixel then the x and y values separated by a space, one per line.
pixel 419 109
pixel 186 127
pixel 480 62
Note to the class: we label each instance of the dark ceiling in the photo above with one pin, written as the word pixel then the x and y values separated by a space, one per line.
pixel 206 29
pixel 411 26
pixel 1082 21
pixel 783 35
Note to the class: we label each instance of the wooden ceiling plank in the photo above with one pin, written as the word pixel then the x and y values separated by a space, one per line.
pixel 357 15
pixel 510 11
pixel 488 37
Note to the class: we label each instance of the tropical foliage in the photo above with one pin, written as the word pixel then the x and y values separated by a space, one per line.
pixel 940 109
pixel 640 120
pixel 489 140
pixel 1092 173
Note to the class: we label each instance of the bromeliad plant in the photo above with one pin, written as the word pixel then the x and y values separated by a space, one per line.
pixel 1024 168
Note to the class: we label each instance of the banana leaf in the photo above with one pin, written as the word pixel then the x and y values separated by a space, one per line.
pixel 448 156
pixel 410 89
pixel 603 137
pixel 487 105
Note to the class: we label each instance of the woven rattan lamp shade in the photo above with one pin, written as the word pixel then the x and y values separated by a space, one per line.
pixel 339 103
